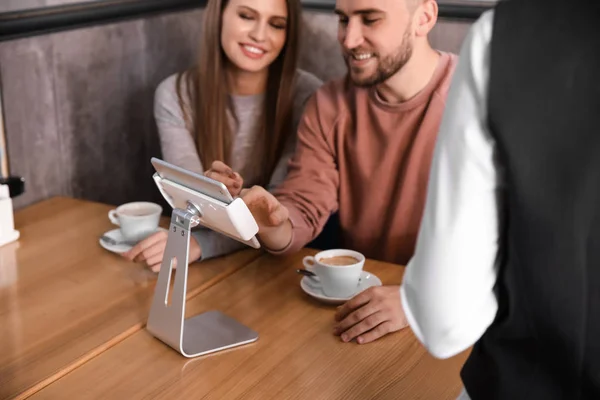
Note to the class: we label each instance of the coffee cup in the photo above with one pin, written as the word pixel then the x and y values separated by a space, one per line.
pixel 338 271
pixel 136 220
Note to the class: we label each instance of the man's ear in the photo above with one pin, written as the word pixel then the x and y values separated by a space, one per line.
pixel 425 17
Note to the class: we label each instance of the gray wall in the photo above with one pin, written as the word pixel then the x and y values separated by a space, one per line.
pixel 78 104
pixel 18 5
pixel 15 5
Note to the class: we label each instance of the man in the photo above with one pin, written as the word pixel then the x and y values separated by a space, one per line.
pixel 364 149
pixel 508 253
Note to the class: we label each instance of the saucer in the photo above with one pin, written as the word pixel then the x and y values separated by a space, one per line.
pixel 116 235
pixel 313 288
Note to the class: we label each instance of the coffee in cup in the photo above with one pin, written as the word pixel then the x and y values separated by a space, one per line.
pixel 136 220
pixel 337 270
pixel 339 260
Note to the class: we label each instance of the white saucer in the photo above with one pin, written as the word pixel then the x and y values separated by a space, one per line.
pixel 313 288
pixel 115 234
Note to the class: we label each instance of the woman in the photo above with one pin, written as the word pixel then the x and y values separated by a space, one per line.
pixel 240 105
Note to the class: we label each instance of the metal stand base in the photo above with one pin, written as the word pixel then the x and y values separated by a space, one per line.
pixel 205 333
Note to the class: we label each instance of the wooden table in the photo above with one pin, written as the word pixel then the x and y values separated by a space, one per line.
pixel 64 299
pixel 296 356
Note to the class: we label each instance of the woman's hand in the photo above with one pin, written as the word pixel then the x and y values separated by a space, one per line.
pixel 151 251
pixel 221 172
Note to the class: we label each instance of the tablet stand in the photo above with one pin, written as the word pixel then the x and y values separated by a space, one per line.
pixel 199 335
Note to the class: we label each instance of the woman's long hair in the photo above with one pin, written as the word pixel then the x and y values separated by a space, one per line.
pixel 207 91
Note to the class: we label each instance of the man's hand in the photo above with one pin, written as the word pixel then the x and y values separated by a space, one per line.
pixel 370 315
pixel 274 227
pixel 266 209
pixel 152 250
pixel 221 172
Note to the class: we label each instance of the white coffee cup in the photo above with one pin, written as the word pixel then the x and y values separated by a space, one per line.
pixel 137 220
pixel 338 281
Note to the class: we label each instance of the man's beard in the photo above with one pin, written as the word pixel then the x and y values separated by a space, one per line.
pixel 386 67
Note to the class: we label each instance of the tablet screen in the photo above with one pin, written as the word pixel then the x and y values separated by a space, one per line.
pixel 191 180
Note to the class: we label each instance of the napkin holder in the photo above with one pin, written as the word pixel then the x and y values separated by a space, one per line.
pixel 211 331
pixel 8 233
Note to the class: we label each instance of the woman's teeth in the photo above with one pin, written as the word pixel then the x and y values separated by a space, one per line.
pixel 254 50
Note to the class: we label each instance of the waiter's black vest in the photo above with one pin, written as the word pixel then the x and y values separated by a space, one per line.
pixel 544 115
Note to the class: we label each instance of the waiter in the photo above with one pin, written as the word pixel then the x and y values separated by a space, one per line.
pixel 508 253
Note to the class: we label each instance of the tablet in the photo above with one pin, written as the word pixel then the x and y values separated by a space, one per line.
pixel 219 210
pixel 191 180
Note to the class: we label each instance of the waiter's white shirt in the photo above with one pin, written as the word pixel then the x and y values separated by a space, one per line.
pixel 447 293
